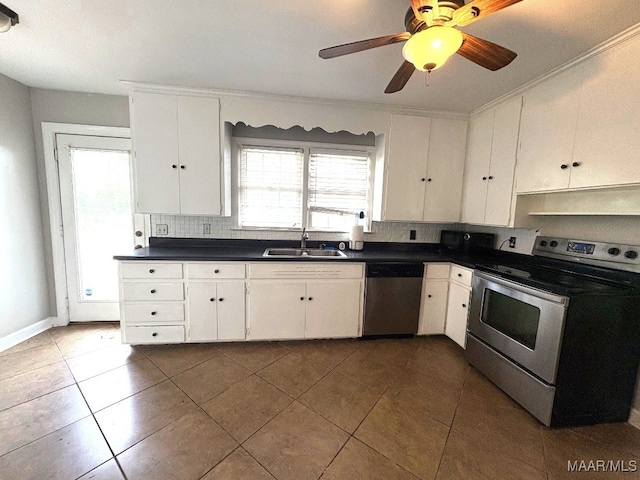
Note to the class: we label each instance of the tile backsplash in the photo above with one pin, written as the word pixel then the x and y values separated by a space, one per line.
pixel 183 226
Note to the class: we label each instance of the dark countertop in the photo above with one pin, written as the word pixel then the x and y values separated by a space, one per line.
pixel 191 249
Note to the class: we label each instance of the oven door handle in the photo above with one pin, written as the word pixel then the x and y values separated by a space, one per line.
pixel 551 297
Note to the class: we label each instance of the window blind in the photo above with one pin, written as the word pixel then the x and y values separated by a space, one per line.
pixel 338 188
pixel 271 187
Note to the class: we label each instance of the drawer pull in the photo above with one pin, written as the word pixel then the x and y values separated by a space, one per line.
pixel 459 274
pixel 151 270
pixel 212 299
pixel 220 299
pixel 153 313
pixel 216 271
pixel 153 291
pixel 154 334
pixel 464 305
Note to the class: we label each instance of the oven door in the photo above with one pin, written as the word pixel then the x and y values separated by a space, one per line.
pixel 524 324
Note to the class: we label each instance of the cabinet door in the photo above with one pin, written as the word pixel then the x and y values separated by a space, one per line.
pixel 457 312
pixel 607 145
pixel 155 143
pixel 199 153
pixel 406 167
pixel 445 170
pixel 547 131
pixel 477 168
pixel 231 311
pixel 276 310
pixel 433 310
pixel 503 163
pixel 202 307
pixel 333 309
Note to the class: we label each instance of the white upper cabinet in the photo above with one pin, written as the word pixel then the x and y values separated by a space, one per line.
pixel 176 142
pixel 445 167
pixel 547 132
pixel 580 129
pixel 424 169
pixel 406 167
pixel 607 145
pixel 491 161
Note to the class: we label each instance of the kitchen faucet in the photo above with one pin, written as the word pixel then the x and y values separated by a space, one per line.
pixel 304 238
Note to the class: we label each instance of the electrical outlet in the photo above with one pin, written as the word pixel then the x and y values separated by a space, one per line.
pixel 512 242
pixel 412 234
pixel 206 228
pixel 162 229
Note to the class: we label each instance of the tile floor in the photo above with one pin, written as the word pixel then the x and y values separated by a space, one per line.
pixel 75 403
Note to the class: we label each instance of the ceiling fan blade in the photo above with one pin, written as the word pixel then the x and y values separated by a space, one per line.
pixel 484 53
pixel 478 9
pixel 420 7
pixel 401 77
pixel 354 47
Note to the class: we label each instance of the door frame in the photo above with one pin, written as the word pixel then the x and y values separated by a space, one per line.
pixel 49 132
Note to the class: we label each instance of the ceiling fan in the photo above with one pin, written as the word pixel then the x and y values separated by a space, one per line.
pixel 432 38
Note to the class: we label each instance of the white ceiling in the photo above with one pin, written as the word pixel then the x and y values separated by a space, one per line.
pixel 272 46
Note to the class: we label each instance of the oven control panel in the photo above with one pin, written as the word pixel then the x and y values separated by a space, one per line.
pixel 618 256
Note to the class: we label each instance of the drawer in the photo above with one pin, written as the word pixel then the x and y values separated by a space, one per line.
pixel 145 270
pixel 150 291
pixel 151 313
pixel 305 270
pixel 437 270
pixel 164 334
pixel 216 270
pixel 461 275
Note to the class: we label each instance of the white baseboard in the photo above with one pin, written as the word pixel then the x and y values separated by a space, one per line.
pixel 634 418
pixel 25 334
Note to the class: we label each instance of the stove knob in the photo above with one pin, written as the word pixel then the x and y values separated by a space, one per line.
pixel 613 251
pixel 543 243
pixel 553 244
pixel 631 254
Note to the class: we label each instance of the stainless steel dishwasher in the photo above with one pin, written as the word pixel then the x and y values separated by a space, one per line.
pixel 392 298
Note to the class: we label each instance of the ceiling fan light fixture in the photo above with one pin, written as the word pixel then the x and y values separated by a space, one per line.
pixel 430 48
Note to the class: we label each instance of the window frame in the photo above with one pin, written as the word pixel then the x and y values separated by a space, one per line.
pixel 306 147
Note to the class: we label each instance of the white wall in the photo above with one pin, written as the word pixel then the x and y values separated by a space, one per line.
pixel 69 107
pixel 24 299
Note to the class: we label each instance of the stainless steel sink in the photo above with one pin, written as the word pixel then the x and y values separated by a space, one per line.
pixel 302 252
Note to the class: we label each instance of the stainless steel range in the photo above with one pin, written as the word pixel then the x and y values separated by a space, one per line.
pixel 561 334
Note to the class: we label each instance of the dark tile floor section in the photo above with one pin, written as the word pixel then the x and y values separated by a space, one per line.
pixel 75 403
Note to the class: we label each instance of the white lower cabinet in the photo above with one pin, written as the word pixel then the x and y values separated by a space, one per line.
pixel 446 290
pixel 305 300
pixel 216 311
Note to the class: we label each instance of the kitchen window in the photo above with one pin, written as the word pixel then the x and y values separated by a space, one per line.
pixel 290 185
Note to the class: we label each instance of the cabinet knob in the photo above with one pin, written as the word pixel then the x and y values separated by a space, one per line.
pixel 575 164
pixel 484 178
pixel 423 179
pixel 154 334
pixel 212 299
pixel 182 167
pixel 428 179
pixel 153 291
pixel 563 166
pixel 490 177
pixel 310 298
pixel 464 305
pixel 301 298
pixel 153 313
pixel 174 166
pixel 216 271
pixel 220 299
pixel 428 296
pixel 151 270
pixel 459 274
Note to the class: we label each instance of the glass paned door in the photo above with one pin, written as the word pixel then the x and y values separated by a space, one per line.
pixel 97 215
